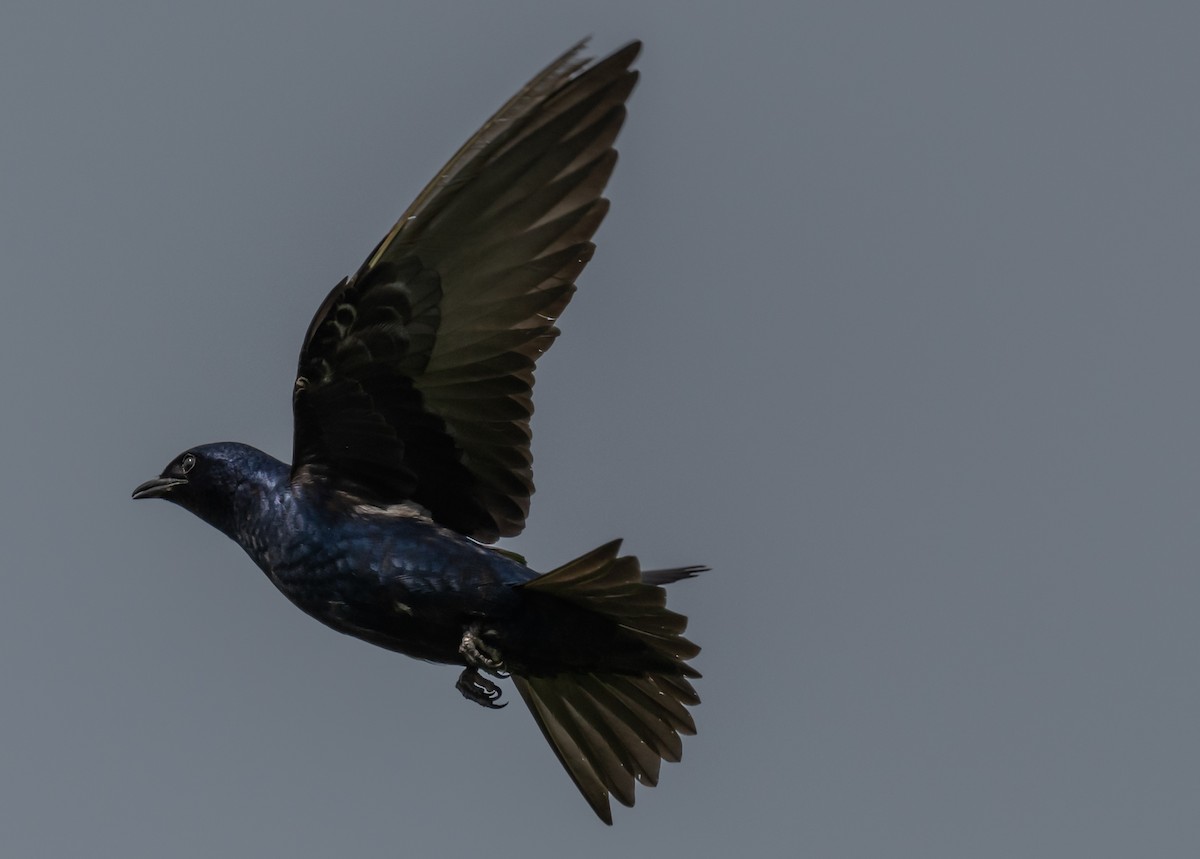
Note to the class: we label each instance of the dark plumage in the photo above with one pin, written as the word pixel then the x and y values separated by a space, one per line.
pixel 412 404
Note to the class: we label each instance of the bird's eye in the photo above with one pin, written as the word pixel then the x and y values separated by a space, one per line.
pixel 187 463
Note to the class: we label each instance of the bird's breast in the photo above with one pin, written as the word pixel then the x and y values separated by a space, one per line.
pixel 403 584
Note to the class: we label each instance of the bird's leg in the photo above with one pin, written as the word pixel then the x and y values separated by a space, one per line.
pixel 475 687
pixel 478 654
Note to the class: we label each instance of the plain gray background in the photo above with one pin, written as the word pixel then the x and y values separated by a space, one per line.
pixel 893 323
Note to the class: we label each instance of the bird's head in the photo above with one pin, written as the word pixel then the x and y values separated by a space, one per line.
pixel 209 480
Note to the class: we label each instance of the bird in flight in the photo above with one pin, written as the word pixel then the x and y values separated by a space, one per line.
pixel 411 449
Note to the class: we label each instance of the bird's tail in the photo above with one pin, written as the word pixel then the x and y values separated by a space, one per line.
pixel 613 722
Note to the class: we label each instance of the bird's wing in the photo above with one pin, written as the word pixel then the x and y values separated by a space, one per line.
pixel 416 375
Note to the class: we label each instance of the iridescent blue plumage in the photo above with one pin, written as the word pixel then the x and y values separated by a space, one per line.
pixel 412 402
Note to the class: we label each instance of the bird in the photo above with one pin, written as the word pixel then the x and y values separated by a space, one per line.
pixel 411 450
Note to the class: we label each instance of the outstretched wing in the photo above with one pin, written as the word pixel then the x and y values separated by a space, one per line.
pixel 416 374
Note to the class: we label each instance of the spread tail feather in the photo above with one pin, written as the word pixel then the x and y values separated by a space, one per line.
pixel 611 727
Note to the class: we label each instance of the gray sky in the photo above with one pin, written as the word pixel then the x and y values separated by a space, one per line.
pixel 893 323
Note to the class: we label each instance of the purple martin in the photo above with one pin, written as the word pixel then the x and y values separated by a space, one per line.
pixel 411 449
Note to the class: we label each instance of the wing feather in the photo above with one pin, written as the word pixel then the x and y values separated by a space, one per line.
pixel 415 379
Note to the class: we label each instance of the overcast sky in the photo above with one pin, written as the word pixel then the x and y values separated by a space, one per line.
pixel 892 323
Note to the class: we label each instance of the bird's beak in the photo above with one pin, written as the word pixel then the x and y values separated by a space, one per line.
pixel 158 487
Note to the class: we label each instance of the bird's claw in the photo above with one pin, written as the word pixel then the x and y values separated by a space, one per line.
pixel 475 687
pixel 478 654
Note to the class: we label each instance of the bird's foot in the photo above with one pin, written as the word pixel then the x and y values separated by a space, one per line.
pixel 479 654
pixel 475 687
